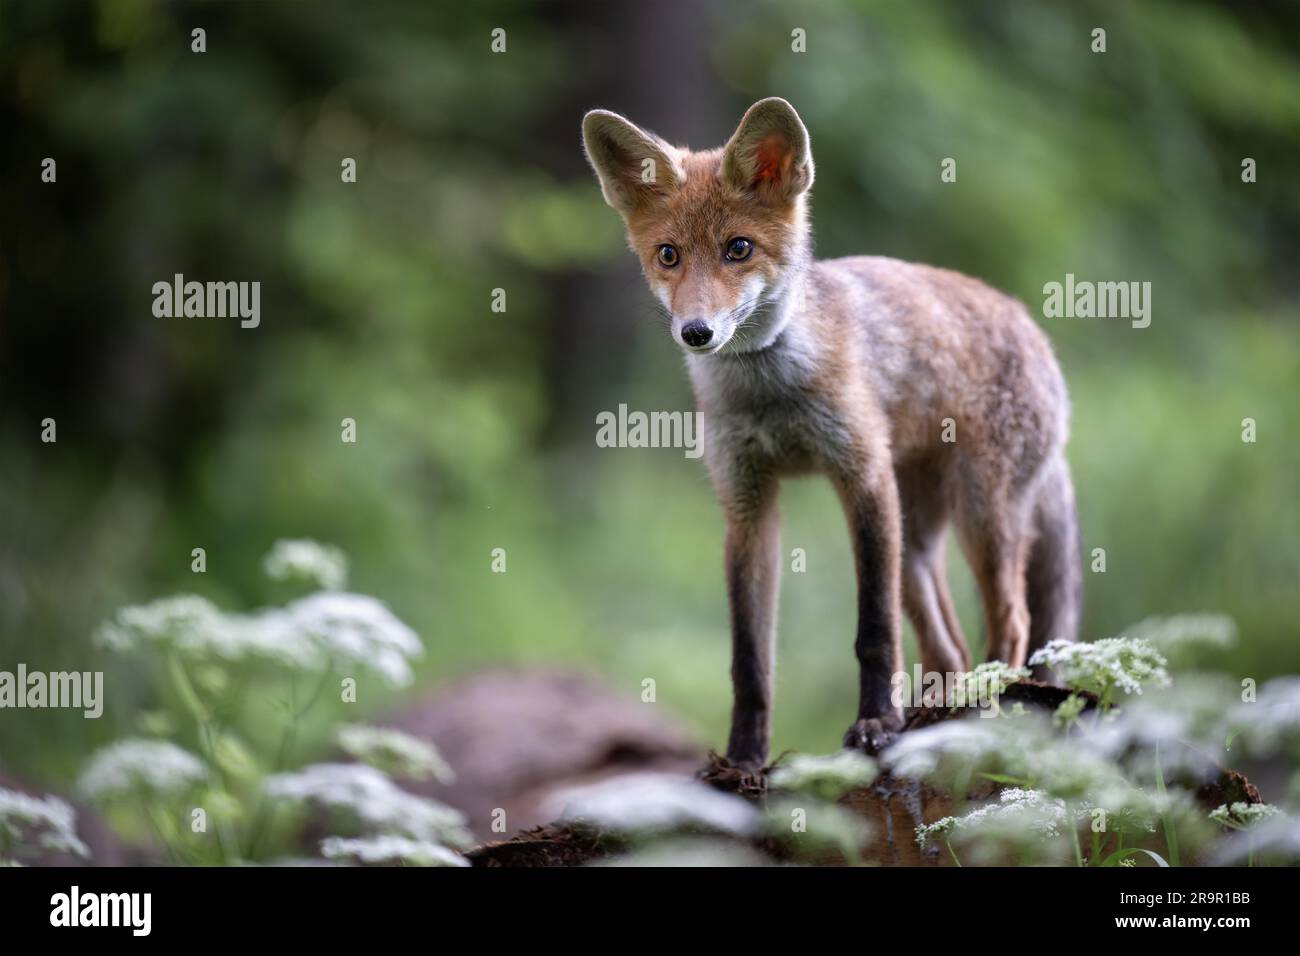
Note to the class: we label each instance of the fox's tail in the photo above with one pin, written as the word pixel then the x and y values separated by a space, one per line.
pixel 1054 578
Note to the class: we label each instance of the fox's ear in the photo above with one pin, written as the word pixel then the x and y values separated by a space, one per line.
pixel 769 153
pixel 633 166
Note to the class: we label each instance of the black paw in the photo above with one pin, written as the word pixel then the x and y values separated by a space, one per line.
pixel 745 777
pixel 873 734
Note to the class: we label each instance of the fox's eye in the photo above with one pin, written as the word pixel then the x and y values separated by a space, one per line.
pixel 668 256
pixel 739 249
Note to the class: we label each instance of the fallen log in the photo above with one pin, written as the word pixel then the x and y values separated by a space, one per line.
pixel 894 807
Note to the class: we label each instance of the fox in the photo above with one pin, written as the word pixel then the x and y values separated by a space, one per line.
pixel 927 398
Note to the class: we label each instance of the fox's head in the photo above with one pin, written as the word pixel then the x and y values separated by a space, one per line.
pixel 722 235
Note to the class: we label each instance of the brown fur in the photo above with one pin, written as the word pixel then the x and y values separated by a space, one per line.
pixel 853 368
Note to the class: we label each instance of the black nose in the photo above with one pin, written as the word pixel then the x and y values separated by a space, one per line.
pixel 696 334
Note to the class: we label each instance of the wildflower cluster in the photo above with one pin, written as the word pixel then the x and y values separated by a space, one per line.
pixel 987 682
pixel 136 768
pixel 317 632
pixel 1105 781
pixel 361 797
pixel 211 656
pixel 31 825
pixel 321 565
pixel 394 752
pixel 1106 666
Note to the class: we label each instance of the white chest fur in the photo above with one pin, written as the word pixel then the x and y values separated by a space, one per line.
pixel 766 406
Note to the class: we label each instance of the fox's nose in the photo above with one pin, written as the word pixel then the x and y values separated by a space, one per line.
pixel 696 333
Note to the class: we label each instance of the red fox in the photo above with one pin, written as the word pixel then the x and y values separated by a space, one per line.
pixel 925 396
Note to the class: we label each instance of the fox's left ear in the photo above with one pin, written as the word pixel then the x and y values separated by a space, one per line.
pixel 769 153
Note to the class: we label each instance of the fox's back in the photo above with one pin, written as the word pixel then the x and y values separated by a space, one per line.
pixel 936 345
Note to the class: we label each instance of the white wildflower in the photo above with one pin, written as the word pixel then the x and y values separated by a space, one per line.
pixel 373 799
pixel 957 747
pixel 328 626
pixel 1018 814
pixel 46 824
pixel 919 753
pixel 135 767
pixel 391 849
pixel 1189 723
pixel 984 684
pixel 1135 737
pixel 1127 808
pixel 1276 840
pixel 1138 812
pixel 1025 826
pixel 1064 768
pixel 1241 815
pixel 939 828
pixel 1102 667
pixel 646 803
pixel 325 566
pixel 956 753
pixel 195 628
pixel 1043 813
pixel 828 777
pixel 394 752
pixel 354 628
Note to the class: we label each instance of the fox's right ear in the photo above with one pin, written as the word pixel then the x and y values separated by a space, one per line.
pixel 634 167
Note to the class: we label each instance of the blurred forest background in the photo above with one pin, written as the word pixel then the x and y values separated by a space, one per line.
pixel 476 428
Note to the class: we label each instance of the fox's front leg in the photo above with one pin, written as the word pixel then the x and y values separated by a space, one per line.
pixel 875 524
pixel 753 556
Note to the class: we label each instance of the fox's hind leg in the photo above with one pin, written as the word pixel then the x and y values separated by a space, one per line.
pixel 949 610
pixel 925 585
pixel 996 536
pixel 929 608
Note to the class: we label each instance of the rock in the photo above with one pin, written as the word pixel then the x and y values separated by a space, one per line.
pixel 516 737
